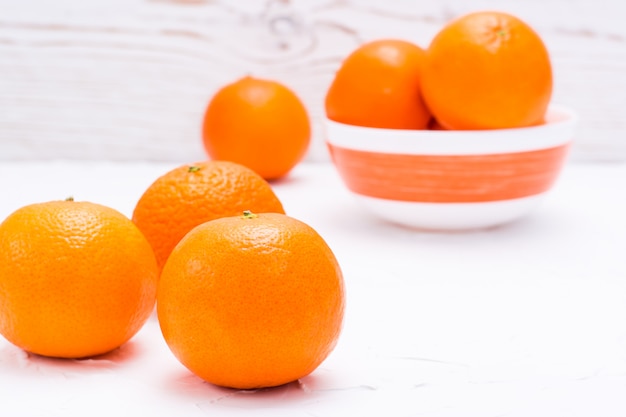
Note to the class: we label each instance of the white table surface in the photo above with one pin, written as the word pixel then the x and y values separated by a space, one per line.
pixel 523 320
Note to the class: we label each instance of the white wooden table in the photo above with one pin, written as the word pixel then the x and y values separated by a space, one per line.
pixel 522 320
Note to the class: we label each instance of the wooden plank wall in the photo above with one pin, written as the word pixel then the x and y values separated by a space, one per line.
pixel 129 79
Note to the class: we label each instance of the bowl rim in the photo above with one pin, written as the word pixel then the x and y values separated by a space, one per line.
pixel 557 131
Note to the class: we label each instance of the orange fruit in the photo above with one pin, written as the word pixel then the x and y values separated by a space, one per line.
pixel 487 70
pixel 258 123
pixel 77 279
pixel 193 194
pixel 379 85
pixel 251 301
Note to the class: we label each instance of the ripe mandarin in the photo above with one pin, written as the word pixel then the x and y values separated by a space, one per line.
pixel 251 301
pixel 378 85
pixel 258 123
pixel 192 194
pixel 77 279
pixel 487 70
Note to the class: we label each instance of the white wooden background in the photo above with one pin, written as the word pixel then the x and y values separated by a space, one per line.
pixel 130 79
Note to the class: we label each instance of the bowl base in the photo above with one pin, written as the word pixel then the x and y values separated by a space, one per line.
pixel 450 216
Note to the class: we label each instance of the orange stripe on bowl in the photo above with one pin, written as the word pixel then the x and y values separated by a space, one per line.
pixel 448 179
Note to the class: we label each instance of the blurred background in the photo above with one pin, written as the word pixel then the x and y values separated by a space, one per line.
pixel 129 80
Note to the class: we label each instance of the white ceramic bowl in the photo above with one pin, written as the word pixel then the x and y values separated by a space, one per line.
pixel 451 180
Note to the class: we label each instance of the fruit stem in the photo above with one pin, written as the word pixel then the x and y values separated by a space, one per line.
pixel 194 169
pixel 247 214
pixel 70 198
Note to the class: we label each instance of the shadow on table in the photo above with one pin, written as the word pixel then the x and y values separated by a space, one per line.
pixel 305 393
pixel 14 359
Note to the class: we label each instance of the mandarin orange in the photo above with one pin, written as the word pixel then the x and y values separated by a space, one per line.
pixel 189 195
pixel 77 279
pixel 487 70
pixel 259 123
pixel 251 301
pixel 379 85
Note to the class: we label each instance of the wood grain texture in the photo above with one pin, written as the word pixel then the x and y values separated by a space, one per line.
pixel 130 79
